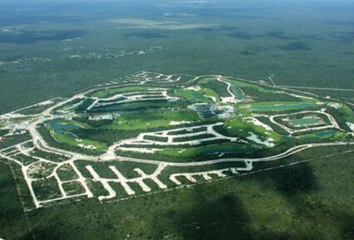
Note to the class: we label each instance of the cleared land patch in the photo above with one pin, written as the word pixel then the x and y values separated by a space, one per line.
pixel 155 132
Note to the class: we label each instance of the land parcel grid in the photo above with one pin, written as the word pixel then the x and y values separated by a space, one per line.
pixel 157 133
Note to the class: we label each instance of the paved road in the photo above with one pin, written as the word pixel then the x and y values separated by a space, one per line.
pixel 285 154
pixel 41 144
pixel 317 88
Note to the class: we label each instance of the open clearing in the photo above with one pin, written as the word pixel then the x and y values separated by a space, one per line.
pixel 156 132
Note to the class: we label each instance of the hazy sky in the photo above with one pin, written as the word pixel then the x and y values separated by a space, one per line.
pixel 171 1
pixel 347 4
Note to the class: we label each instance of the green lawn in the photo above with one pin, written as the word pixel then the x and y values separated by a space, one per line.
pixel 261 93
pixel 242 128
pixel 346 113
pixel 73 122
pixel 327 134
pixel 219 87
pixel 152 120
pixel 210 93
pixel 113 91
pixel 276 106
pixel 71 140
pixel 304 121
pixel 191 95
pixel 205 150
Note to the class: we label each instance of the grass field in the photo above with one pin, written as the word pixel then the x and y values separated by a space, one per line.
pixel 135 106
pixel 243 128
pixel 114 91
pixel 219 87
pixel 277 106
pixel 202 151
pixel 85 143
pixel 195 96
pixel 152 120
pixel 346 113
pixel 327 135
